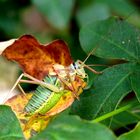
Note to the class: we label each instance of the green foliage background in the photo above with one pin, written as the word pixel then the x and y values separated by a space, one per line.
pixel 111 27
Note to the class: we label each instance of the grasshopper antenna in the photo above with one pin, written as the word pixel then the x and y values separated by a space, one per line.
pixel 88 67
pixel 94 49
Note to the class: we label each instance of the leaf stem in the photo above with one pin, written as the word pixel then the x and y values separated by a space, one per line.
pixel 110 114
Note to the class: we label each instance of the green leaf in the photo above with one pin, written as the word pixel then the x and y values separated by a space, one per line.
pixel 110 88
pixel 91 13
pixel 135 81
pixel 120 7
pixel 9 126
pixel 132 135
pixel 57 12
pixel 123 8
pixel 113 38
pixel 66 127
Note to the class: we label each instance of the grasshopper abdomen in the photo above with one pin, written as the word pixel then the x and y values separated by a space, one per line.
pixel 44 99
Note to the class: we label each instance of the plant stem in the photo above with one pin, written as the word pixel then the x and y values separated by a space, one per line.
pixel 110 114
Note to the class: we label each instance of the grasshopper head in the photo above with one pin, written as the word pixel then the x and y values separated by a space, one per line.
pixel 79 69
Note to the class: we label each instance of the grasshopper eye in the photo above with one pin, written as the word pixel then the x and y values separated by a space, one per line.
pixel 86 75
pixel 74 65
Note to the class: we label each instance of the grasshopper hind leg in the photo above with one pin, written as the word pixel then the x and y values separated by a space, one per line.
pixel 14 86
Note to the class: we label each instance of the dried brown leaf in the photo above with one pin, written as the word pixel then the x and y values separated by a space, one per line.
pixel 36 59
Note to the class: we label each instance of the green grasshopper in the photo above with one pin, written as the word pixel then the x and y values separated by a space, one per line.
pixel 53 87
pixel 57 82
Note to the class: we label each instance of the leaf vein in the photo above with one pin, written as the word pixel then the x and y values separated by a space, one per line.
pixel 121 80
pixel 112 42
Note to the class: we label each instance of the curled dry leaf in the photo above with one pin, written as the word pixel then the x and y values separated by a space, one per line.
pixel 36 59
